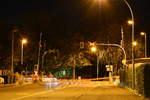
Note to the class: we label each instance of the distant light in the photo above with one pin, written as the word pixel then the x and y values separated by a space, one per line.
pixel 130 22
pixel 142 33
pixel 24 41
pixel 93 49
pixel 134 43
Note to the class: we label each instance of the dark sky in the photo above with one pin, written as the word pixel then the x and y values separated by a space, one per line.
pixel 143 15
pixel 16 12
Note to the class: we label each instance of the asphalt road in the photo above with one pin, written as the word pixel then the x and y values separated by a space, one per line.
pixel 73 91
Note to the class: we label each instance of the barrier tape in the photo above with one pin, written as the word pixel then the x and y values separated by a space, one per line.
pixel 91 79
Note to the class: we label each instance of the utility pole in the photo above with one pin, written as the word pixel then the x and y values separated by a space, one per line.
pixel 98 64
pixel 39 53
pixel 12 51
pixel 12 55
pixel 43 55
pixel 122 37
pixel 74 67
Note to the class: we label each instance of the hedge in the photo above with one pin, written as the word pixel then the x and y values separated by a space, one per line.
pixel 142 79
pixel 126 78
pixel 147 80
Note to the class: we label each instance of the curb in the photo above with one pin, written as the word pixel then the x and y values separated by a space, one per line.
pixel 14 85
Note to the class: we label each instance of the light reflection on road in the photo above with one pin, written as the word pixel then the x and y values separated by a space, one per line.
pixel 52 84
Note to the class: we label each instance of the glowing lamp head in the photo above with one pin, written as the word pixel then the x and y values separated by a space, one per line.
pixel 142 33
pixel 134 43
pixel 93 49
pixel 24 41
pixel 130 22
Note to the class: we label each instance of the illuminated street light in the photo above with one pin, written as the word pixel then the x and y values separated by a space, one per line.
pixel 93 49
pixel 23 41
pixel 92 46
pixel 130 22
pixel 134 43
pixel 12 50
pixel 133 69
pixel 144 34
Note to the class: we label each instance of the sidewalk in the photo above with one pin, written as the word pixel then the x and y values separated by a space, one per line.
pixel 15 85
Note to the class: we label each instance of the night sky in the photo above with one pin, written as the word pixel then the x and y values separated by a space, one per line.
pixel 70 14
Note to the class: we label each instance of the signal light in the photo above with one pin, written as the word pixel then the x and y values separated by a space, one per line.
pixel 92 44
pixel 81 45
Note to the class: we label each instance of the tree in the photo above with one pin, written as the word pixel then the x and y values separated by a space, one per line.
pixel 76 60
pixel 112 56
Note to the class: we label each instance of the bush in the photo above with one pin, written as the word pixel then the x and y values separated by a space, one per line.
pixel 126 78
pixel 142 78
pixel 139 84
pixel 147 80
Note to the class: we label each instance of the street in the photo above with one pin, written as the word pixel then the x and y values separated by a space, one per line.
pixel 71 91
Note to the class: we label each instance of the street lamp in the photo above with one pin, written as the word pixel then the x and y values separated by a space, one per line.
pixel 133 70
pixel 23 41
pixel 12 55
pixel 132 23
pixel 134 43
pixel 143 33
pixel 93 49
pixel 12 50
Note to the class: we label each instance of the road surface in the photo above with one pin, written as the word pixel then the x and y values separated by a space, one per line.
pixel 71 91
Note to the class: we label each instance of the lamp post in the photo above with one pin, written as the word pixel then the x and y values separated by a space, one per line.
pixel 134 43
pixel 94 49
pixel 12 50
pixel 23 41
pixel 12 55
pixel 132 23
pixel 143 33
pixel 134 83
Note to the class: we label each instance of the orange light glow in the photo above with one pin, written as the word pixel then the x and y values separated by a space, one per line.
pixel 24 41
pixel 130 22
pixel 134 43
pixel 93 49
pixel 142 33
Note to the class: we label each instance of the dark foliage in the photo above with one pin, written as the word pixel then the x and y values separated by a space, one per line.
pixel 147 81
pixel 142 79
